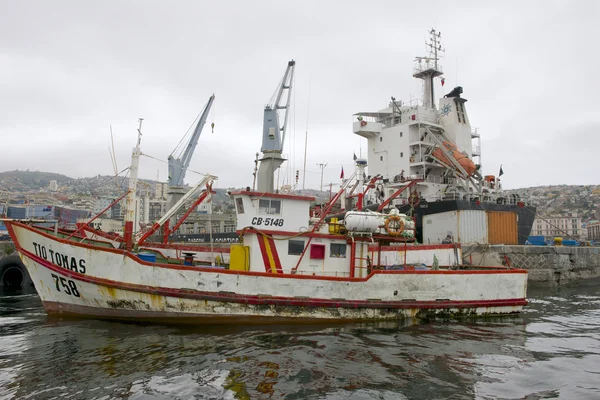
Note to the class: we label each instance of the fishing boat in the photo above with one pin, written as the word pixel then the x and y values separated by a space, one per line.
pixel 286 268
pixel 348 260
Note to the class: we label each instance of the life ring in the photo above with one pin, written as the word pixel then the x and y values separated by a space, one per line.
pixel 412 159
pixel 394 225
pixel 363 123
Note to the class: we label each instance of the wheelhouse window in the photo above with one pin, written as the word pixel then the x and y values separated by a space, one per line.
pixel 239 204
pixel 295 247
pixel 337 250
pixel 269 206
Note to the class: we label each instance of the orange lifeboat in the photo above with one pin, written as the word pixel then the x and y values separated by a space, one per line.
pixel 465 162
pixel 490 180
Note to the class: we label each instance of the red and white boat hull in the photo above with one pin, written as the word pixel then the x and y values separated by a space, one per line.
pixel 79 279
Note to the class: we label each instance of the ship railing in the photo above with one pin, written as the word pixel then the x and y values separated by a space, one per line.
pixel 424 64
pixel 429 179
pixel 340 274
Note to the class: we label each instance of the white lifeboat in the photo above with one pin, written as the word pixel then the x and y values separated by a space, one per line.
pixel 363 221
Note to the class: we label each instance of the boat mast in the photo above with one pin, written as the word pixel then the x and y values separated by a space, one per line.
pixel 131 197
pixel 427 68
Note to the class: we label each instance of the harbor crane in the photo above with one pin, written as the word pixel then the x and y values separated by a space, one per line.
pixel 178 166
pixel 273 134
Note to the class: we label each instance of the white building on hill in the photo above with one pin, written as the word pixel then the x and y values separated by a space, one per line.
pixel 566 226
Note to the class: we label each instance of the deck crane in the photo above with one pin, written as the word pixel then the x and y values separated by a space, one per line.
pixel 179 165
pixel 273 134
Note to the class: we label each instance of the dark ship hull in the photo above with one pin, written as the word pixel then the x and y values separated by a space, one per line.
pixel 525 214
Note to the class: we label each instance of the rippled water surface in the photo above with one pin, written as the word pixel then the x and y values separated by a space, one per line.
pixel 551 351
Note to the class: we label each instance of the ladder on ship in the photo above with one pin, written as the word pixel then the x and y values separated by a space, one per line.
pixel 360 262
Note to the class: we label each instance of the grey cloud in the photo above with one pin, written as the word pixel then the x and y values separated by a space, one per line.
pixel 69 69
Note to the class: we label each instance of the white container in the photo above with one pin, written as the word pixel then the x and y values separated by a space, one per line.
pixel 363 221
pixel 464 226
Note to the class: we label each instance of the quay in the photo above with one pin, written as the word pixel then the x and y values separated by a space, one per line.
pixel 548 265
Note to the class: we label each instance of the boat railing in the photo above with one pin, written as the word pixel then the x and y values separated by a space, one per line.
pixel 339 274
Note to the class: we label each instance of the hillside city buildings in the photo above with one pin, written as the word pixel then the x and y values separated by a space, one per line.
pixel 569 212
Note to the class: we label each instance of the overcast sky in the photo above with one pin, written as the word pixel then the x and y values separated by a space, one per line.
pixel 70 69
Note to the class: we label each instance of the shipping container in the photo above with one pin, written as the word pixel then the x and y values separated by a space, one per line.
pixel 463 226
pixel 502 227
pixel 536 240
pixel 472 226
pixel 17 212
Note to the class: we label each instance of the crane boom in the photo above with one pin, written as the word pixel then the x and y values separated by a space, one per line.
pixel 179 166
pixel 273 134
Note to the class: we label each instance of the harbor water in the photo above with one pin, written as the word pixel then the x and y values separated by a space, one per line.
pixel 552 350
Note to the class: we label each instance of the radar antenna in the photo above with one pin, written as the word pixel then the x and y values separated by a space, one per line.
pixel 434 46
pixel 428 67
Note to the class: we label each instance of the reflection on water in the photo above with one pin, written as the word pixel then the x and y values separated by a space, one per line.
pixel 550 351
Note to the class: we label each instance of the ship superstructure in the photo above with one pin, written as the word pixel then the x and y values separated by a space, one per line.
pixel 434 145
pixel 433 149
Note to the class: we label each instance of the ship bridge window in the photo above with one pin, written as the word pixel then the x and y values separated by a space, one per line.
pixel 400 134
pixel 239 205
pixel 337 250
pixel 295 247
pixel 380 139
pixel 269 206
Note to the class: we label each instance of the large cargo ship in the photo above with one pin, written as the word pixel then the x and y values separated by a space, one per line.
pixel 432 156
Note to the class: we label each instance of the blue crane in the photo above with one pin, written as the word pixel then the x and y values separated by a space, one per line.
pixel 178 166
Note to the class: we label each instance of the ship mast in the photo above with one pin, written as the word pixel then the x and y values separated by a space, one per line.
pixel 427 68
pixel 130 199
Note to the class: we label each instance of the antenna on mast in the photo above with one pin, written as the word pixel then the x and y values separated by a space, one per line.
pixel 435 46
pixel 427 68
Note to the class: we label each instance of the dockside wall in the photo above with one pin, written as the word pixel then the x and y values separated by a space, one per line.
pixel 549 265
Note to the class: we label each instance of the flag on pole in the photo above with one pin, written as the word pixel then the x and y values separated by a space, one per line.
pixel 501 172
pixel 342 174
pixel 354 157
